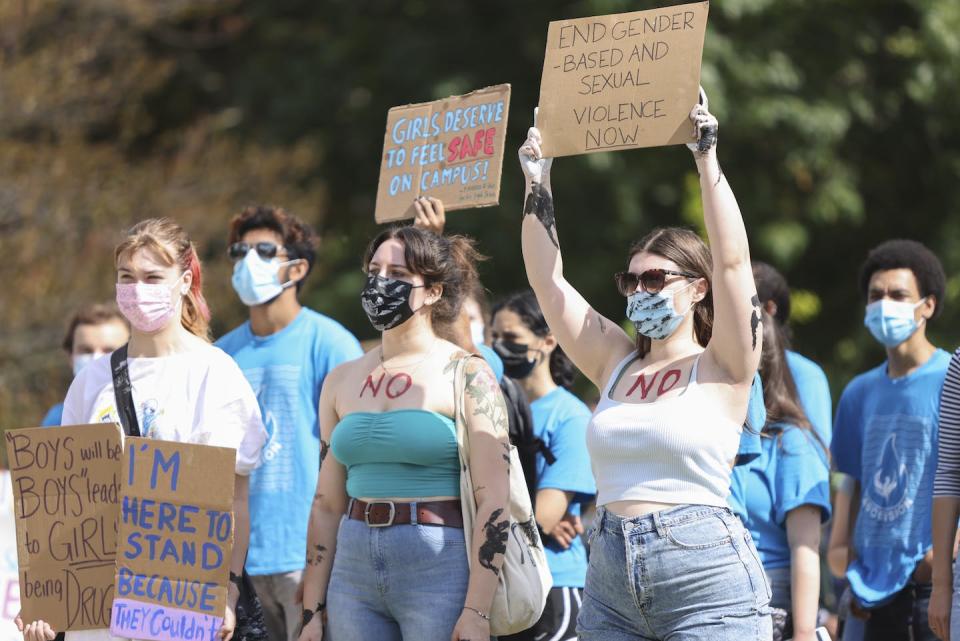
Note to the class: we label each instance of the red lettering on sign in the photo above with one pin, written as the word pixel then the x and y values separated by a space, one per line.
pixel 463 146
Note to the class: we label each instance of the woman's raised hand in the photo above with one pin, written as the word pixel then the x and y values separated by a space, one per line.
pixel 705 128
pixel 535 167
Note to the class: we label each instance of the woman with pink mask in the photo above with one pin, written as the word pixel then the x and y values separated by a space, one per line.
pixel 183 388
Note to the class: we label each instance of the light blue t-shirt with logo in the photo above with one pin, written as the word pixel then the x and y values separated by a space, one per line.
pixel 885 437
pixel 560 420
pixel 286 371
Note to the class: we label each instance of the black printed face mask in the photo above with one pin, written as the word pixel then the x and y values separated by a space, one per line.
pixel 386 301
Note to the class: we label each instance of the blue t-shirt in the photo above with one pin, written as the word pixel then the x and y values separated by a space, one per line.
pixel 814 392
pixel 494 361
pixel 791 471
pixel 885 437
pixel 560 419
pixel 286 371
pixel 750 446
pixel 53 417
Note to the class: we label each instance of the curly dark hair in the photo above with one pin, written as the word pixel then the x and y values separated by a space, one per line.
pixel 524 304
pixel 299 239
pixel 912 255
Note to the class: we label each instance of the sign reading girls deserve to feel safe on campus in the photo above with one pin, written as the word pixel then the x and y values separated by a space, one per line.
pixel 66 484
pixel 451 149
pixel 621 81
pixel 175 541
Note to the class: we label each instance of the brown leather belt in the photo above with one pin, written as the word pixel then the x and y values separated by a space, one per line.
pixel 386 513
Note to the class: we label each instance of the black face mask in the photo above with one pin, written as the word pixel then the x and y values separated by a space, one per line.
pixel 386 301
pixel 514 357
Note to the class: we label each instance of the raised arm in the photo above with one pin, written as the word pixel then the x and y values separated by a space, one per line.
pixel 737 334
pixel 329 504
pixel 591 341
pixel 486 418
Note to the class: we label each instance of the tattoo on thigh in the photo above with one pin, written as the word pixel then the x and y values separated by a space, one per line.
pixel 755 319
pixel 495 540
pixel 540 204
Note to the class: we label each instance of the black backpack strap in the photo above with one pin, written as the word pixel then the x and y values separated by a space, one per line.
pixel 123 392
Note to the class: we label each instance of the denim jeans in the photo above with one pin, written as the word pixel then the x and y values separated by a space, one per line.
pixel 903 618
pixel 689 572
pixel 398 582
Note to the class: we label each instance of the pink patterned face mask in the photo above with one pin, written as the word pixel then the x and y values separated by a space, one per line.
pixel 147 306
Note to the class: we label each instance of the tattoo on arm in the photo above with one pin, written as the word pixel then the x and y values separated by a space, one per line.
pixel 316 558
pixel 495 540
pixel 603 324
pixel 485 393
pixel 755 318
pixel 324 450
pixel 540 204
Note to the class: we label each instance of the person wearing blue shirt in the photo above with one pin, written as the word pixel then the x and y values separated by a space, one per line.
pixel 783 496
pixel 285 351
pixel 532 357
pixel 885 437
pixel 95 330
pixel 810 381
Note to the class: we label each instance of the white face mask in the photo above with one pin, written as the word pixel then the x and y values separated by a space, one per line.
pixel 476 332
pixel 82 360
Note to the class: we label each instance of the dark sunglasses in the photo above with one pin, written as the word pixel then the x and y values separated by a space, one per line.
pixel 267 251
pixel 652 280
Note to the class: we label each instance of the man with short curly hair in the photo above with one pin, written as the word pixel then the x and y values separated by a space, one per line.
pixel 285 350
pixel 885 437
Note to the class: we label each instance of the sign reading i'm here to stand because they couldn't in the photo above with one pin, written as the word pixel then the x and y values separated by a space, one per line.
pixel 66 483
pixel 451 149
pixel 175 541
pixel 621 81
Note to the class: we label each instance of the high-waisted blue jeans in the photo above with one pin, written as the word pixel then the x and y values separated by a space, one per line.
pixel 403 582
pixel 689 572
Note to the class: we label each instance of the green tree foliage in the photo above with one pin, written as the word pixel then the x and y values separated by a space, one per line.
pixel 838 130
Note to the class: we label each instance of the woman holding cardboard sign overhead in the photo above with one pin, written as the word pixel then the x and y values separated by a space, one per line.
pixel 181 388
pixel 667 558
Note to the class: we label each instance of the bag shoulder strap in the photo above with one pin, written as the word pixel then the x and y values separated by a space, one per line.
pixel 123 392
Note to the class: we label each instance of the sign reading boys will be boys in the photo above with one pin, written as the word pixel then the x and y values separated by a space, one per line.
pixel 621 81
pixel 175 542
pixel 451 149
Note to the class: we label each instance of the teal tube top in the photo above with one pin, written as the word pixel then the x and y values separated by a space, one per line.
pixel 401 453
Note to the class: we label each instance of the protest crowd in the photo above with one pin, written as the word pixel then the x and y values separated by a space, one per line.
pixel 448 483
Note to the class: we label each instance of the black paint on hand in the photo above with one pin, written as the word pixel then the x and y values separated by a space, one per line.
pixel 540 204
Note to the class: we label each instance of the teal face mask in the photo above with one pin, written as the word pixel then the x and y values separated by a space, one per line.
pixel 891 322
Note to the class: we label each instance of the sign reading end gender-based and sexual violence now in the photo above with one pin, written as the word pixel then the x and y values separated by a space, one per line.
pixel 175 541
pixel 451 149
pixel 621 81
pixel 66 484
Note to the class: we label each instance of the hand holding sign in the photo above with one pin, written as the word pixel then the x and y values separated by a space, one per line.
pixel 705 127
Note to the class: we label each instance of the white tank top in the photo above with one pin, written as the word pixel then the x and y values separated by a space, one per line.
pixel 677 450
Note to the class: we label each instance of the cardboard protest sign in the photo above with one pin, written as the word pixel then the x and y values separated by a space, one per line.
pixel 9 577
pixel 175 542
pixel 66 484
pixel 621 81
pixel 451 149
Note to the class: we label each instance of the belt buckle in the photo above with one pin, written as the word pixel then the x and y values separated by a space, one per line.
pixel 366 513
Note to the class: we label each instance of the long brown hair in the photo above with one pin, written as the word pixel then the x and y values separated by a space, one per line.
pixel 691 255
pixel 169 242
pixel 779 389
pixel 448 261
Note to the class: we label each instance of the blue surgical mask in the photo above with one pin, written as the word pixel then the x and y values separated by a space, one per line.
pixel 256 280
pixel 82 360
pixel 891 322
pixel 654 315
